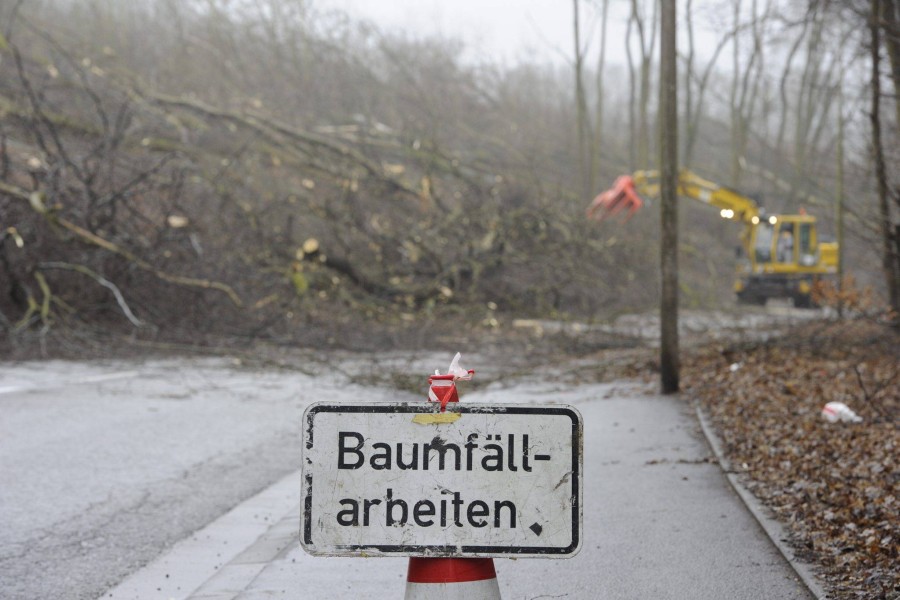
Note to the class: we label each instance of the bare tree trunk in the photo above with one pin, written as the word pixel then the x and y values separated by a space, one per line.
pixel 687 87
pixel 585 143
pixel 812 104
pixel 632 156
pixel 783 86
pixel 733 97
pixel 601 91
pixel 891 19
pixel 694 109
pixel 839 192
pixel 745 88
pixel 889 253
pixel 647 46
pixel 668 110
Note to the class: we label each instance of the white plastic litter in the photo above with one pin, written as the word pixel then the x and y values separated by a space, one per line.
pixel 838 411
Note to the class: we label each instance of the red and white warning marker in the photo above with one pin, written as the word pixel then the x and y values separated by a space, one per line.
pixel 452 579
pixel 442 388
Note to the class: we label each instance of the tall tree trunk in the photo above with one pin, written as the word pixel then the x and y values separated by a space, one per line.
pixel 812 104
pixel 736 72
pixel 784 92
pixel 839 192
pixel 891 20
pixel 889 247
pixel 687 86
pixel 694 108
pixel 647 46
pixel 601 91
pixel 745 89
pixel 585 144
pixel 632 155
pixel 668 142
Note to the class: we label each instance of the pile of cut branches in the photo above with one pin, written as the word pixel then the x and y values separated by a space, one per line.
pixel 836 486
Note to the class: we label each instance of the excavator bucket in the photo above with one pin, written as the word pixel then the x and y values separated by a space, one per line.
pixel 620 197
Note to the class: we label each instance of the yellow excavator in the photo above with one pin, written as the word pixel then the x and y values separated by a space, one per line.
pixel 782 256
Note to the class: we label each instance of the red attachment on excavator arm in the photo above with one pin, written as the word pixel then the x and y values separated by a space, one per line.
pixel 619 197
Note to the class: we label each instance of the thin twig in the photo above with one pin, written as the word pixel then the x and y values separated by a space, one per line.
pixel 102 281
pixel 862 384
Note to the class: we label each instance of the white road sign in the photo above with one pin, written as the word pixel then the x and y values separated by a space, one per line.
pixel 403 479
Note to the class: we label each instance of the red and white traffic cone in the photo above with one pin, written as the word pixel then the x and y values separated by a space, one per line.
pixel 452 579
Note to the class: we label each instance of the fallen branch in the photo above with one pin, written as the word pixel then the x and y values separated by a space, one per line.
pixel 176 279
pixel 102 281
pixel 35 199
pixel 41 309
pixel 271 129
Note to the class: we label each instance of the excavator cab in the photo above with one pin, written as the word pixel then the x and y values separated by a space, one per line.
pixel 785 263
pixel 785 242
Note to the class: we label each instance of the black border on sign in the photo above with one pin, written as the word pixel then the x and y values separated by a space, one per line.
pixel 447 551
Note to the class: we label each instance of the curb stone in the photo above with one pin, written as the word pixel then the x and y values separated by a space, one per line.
pixel 220 560
pixel 775 530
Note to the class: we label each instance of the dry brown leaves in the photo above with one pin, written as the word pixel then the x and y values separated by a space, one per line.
pixel 835 485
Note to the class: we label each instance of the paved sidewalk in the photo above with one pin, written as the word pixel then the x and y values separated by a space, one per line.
pixel 660 521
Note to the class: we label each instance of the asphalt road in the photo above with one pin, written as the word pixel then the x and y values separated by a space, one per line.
pixel 107 465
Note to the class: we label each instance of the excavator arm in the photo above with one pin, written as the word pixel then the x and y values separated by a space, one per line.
pixel 625 195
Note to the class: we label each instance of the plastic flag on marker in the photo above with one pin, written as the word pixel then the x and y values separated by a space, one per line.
pixel 457 371
pixel 443 387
